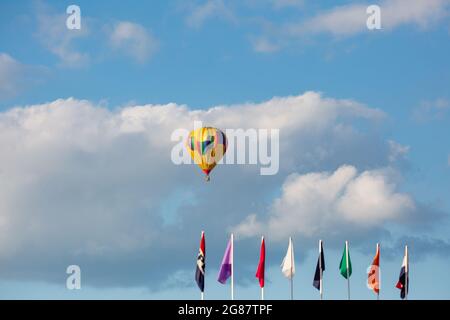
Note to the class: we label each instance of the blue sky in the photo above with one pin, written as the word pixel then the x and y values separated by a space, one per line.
pixel 86 117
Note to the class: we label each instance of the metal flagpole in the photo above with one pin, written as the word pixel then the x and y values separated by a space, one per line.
pixel 320 269
pixel 346 263
pixel 292 262
pixel 406 273
pixel 232 267
pixel 292 288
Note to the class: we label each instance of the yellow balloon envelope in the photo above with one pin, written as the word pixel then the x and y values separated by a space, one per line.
pixel 207 147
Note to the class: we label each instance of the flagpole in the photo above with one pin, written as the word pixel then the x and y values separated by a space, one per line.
pixel 202 296
pixel 232 267
pixel 262 288
pixel 292 288
pixel 320 269
pixel 406 272
pixel 378 271
pixel 347 266
pixel 292 263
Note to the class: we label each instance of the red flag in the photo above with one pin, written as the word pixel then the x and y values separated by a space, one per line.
pixel 261 264
pixel 373 279
pixel 200 269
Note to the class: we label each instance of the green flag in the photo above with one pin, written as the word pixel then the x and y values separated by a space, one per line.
pixel 343 264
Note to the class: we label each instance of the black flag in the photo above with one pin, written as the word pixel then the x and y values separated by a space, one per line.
pixel 320 268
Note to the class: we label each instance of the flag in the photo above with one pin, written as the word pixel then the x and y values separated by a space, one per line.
pixel 403 279
pixel 345 260
pixel 320 268
pixel 288 264
pixel 261 264
pixel 200 269
pixel 373 278
pixel 225 267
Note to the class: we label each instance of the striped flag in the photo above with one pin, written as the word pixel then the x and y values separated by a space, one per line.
pixel 373 278
pixel 320 268
pixel 261 264
pixel 226 267
pixel 200 269
pixel 403 279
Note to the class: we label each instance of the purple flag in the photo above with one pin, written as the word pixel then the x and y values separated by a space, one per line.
pixel 225 268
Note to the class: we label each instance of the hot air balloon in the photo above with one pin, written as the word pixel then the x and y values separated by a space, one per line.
pixel 207 146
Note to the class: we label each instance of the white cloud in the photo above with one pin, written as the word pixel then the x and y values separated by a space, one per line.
pixel 419 12
pixel 60 41
pixel 80 183
pixel 209 9
pixel 133 40
pixel 347 20
pixel 331 204
pixel 351 19
pixel 16 76
pixel 126 37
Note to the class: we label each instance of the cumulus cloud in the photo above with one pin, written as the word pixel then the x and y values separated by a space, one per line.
pixel 133 40
pixel 83 184
pixel 326 203
pixel 351 19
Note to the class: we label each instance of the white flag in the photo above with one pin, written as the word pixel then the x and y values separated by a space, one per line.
pixel 288 264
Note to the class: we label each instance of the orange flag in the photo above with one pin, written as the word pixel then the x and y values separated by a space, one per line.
pixel 373 278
